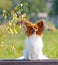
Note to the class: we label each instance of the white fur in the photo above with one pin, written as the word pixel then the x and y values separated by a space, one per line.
pixel 33 48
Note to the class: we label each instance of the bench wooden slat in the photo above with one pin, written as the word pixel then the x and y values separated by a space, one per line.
pixel 28 62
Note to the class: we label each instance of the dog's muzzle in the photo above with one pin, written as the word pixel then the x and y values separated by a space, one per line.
pixel 34 30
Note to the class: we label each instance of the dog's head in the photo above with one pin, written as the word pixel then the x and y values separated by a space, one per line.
pixel 31 28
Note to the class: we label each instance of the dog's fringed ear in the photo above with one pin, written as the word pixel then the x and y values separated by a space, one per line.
pixel 28 23
pixel 40 24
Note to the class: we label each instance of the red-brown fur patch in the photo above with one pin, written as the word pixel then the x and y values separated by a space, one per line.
pixel 39 26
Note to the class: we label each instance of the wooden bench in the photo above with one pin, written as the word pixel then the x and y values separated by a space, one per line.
pixel 28 62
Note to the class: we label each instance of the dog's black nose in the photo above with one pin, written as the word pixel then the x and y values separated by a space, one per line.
pixel 34 30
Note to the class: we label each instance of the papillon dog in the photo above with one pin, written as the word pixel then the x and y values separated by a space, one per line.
pixel 33 44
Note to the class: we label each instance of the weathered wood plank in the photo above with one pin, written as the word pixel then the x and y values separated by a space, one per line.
pixel 28 62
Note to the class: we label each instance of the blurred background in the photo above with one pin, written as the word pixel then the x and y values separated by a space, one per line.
pixel 12 45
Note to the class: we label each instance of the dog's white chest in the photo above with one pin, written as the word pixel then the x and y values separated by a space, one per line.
pixel 33 47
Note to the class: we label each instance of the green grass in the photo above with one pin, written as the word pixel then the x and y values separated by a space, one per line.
pixel 51 44
pixel 12 45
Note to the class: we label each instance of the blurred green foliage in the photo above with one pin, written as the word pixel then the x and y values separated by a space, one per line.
pixel 54 11
pixel 32 5
pixel 5 4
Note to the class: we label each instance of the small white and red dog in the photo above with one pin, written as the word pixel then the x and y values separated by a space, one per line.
pixel 33 43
